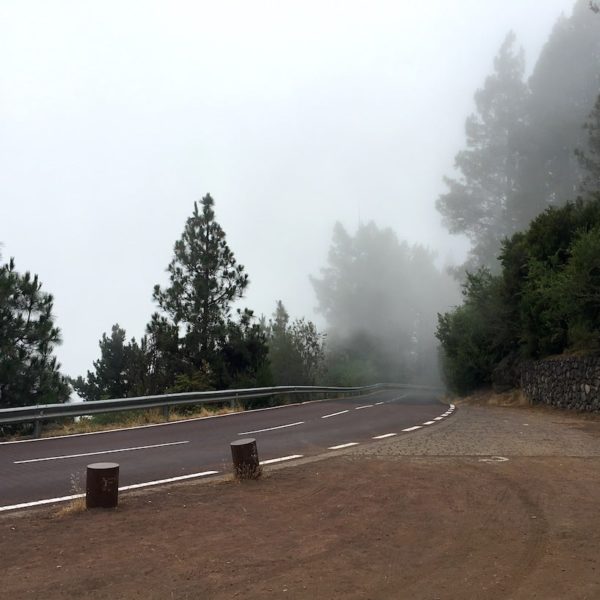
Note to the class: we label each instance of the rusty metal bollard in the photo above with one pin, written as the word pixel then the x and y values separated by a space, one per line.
pixel 102 485
pixel 245 459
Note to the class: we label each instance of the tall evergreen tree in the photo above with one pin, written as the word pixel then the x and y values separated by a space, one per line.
pixel 29 373
pixel 564 87
pixel 477 202
pixel 205 279
pixel 196 342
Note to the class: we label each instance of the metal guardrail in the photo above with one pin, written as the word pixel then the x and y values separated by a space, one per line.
pixel 41 412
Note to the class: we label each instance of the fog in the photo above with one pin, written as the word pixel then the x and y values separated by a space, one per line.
pixel 116 116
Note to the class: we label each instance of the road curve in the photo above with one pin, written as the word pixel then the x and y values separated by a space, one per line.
pixel 38 471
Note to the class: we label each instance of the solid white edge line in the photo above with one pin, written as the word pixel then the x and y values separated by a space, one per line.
pixel 271 461
pixel 379 403
pixel 136 486
pixel 272 428
pixel 385 435
pixel 429 423
pixel 365 406
pixel 124 488
pixel 335 414
pixel 33 460
pixel 241 412
pixel 413 428
pixel 343 446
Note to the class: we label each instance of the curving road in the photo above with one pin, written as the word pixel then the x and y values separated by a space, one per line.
pixel 41 471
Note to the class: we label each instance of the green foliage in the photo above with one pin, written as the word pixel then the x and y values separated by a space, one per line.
pixel 29 373
pixel 296 350
pixel 120 372
pixel 545 301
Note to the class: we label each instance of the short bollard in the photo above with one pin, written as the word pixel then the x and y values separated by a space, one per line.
pixel 245 459
pixel 102 485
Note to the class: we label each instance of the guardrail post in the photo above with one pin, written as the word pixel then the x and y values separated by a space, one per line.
pixel 166 409
pixel 37 428
pixel 102 485
pixel 244 455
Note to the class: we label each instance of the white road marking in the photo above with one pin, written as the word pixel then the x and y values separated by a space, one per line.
pixel 386 435
pixel 277 460
pixel 452 406
pixel 136 486
pixel 413 428
pixel 343 446
pixel 365 406
pixel 33 460
pixel 334 414
pixel 494 459
pixel 429 423
pixel 124 488
pixel 438 418
pixel 379 403
pixel 272 428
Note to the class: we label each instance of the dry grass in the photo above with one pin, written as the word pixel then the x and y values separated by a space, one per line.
pixel 76 505
pixel 132 419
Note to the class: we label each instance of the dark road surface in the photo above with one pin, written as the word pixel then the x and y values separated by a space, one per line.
pixel 36 470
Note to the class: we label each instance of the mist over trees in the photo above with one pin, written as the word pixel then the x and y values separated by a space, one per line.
pixel 523 139
pixel 379 297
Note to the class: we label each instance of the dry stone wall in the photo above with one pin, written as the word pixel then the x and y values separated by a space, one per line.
pixel 566 382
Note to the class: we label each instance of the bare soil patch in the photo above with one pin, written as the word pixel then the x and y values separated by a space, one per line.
pixel 407 518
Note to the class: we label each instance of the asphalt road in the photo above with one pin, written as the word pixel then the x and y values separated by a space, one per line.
pixel 40 470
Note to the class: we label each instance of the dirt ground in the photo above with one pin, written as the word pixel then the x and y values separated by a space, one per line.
pixel 428 515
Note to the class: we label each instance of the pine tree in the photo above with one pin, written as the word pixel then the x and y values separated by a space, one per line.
pixel 29 373
pixel 120 372
pixel 477 202
pixel 205 279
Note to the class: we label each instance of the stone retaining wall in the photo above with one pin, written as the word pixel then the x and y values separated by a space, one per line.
pixel 566 382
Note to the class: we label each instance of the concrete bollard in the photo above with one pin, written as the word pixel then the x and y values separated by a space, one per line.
pixel 245 459
pixel 102 485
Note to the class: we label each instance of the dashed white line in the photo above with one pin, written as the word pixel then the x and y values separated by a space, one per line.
pixel 429 423
pixel 379 403
pixel 334 414
pixel 33 460
pixel 283 458
pixel 438 418
pixel 385 435
pixel 272 428
pixel 413 428
pixel 124 488
pixel 365 406
pixel 343 446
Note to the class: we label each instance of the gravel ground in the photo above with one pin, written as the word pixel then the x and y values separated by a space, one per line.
pixel 488 431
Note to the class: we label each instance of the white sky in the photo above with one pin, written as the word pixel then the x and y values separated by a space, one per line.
pixel 116 116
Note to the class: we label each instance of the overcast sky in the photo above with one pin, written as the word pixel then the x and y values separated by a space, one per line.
pixel 116 116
